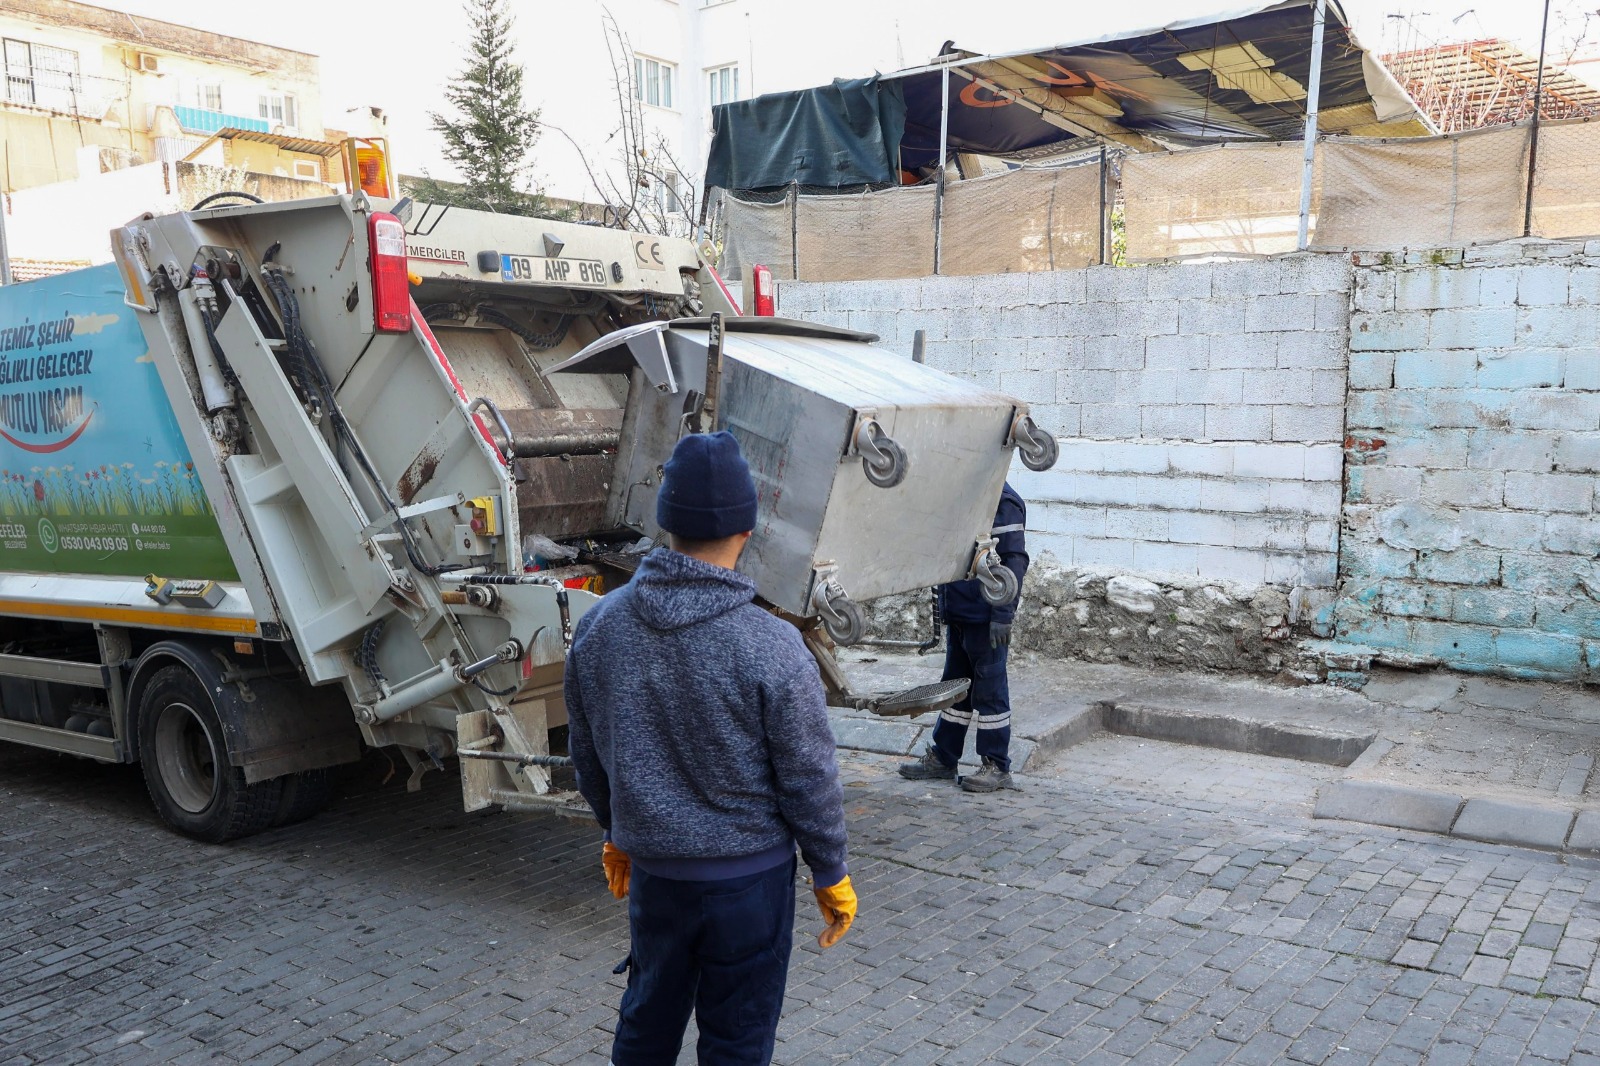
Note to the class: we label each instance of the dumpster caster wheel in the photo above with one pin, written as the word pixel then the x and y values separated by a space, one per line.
pixel 842 617
pixel 1037 448
pixel 850 626
pixel 997 582
pixel 882 459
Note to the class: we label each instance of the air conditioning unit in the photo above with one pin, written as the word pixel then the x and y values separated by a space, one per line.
pixel 149 64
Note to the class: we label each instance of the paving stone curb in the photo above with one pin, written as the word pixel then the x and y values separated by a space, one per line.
pixel 1281 740
pixel 1522 822
pixel 1397 806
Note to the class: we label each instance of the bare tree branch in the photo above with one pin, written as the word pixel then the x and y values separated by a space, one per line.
pixel 652 191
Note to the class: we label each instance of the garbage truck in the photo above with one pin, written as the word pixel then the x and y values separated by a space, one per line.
pixel 286 480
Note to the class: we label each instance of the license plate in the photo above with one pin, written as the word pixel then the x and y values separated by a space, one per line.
pixel 541 270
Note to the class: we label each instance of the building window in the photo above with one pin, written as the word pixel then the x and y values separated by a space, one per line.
pixel 41 75
pixel 652 81
pixel 724 85
pixel 278 109
pixel 667 199
pixel 307 168
pixel 208 95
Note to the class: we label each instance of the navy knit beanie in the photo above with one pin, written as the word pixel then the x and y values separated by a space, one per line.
pixel 707 493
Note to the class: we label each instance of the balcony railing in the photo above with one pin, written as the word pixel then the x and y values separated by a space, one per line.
pixel 59 90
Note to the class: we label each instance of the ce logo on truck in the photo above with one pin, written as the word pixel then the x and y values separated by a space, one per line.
pixel 648 257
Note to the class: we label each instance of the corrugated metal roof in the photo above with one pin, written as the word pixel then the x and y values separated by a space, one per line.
pixel 304 145
pixel 34 269
pixel 1472 84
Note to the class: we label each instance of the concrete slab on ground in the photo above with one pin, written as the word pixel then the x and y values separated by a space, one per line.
pixel 1482 758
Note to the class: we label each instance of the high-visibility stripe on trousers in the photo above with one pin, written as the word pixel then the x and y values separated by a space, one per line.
pixel 987 703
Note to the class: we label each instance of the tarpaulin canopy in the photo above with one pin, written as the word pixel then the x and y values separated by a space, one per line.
pixel 1242 77
pixel 847 133
pixel 1239 76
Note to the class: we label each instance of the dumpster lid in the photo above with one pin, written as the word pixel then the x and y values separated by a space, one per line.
pixel 644 345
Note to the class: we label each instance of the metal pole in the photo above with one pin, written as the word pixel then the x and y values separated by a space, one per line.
pixel 1533 136
pixel 1103 222
pixel 1313 94
pixel 944 145
pixel 794 230
pixel 5 253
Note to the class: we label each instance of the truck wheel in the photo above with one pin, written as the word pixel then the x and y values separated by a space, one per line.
pixel 186 767
pixel 304 795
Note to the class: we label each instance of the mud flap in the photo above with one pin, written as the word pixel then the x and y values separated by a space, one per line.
pixel 271 725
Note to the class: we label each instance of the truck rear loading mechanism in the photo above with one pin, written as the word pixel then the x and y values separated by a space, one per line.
pixel 287 479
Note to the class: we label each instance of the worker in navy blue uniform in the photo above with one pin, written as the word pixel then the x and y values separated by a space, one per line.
pixel 699 734
pixel 977 638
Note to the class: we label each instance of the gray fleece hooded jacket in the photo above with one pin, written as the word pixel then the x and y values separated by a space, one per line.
pixel 699 729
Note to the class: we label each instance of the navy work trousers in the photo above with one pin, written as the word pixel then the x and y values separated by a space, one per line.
pixel 717 948
pixel 967 654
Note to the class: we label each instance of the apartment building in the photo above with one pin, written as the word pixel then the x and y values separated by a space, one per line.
pixel 88 90
pixel 682 57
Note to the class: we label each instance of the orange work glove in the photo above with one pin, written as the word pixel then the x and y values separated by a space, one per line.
pixel 618 867
pixel 838 903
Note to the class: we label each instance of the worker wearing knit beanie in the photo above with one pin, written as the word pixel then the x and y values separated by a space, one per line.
pixel 700 736
pixel 707 492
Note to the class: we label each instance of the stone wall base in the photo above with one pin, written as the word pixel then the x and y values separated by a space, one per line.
pixel 1100 616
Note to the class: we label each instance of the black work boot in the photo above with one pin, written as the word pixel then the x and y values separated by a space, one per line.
pixel 928 768
pixel 989 778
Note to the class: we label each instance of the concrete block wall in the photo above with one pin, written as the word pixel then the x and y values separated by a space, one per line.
pixel 1400 452
pixel 1245 514
pixel 1200 406
pixel 1473 449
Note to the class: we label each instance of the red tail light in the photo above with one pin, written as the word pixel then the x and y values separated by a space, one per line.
pixel 391 293
pixel 766 295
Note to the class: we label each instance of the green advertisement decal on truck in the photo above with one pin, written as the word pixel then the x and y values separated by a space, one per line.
pixel 94 474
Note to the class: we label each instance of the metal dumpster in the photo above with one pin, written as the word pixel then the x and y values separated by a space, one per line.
pixel 876 474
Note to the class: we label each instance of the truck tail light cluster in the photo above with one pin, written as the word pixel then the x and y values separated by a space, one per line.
pixel 766 304
pixel 391 292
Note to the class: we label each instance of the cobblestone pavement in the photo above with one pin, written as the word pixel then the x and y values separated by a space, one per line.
pixel 1129 905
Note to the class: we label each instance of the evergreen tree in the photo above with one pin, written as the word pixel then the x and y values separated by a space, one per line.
pixel 489 135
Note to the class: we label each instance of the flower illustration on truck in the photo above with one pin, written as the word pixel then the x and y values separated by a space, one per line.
pixel 172 491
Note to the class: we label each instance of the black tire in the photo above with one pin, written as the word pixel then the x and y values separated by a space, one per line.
pixel 304 795
pixel 186 769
